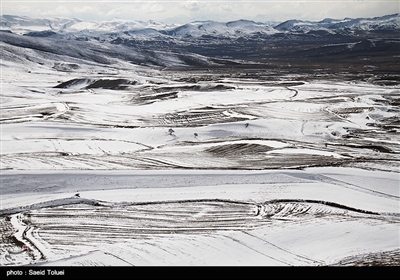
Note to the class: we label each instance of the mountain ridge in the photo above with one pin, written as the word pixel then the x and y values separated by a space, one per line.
pixel 24 25
pixel 357 45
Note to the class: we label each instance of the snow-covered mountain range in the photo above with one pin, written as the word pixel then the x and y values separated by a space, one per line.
pixel 239 28
pixel 205 43
pixel 389 22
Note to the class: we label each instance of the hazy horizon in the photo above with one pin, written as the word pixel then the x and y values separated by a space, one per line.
pixel 188 11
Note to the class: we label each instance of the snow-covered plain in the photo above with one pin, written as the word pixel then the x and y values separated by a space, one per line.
pixel 128 165
pixel 287 217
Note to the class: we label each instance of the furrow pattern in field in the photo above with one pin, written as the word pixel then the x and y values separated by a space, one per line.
pixel 55 225
pixel 180 216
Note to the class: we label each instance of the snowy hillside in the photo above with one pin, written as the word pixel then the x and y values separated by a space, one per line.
pixel 210 28
pixel 46 50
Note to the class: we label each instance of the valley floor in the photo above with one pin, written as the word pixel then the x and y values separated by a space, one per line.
pixel 133 166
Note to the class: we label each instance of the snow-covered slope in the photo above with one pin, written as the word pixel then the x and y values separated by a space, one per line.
pixel 28 49
pixel 117 25
pixel 219 29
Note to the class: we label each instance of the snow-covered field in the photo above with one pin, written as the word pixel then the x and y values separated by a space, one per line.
pixel 317 216
pixel 52 120
pixel 128 165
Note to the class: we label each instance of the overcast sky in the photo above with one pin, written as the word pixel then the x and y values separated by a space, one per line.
pixel 186 11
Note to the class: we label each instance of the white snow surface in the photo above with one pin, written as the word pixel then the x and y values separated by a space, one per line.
pixel 230 221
